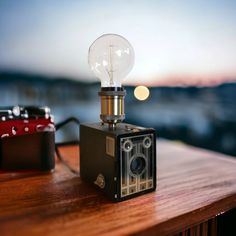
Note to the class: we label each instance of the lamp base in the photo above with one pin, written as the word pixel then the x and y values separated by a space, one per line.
pixel 112 105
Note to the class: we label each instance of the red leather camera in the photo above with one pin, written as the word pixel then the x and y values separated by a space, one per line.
pixel 27 138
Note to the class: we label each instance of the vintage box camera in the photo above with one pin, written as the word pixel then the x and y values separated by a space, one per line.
pixel 26 138
pixel 121 161
pixel 119 158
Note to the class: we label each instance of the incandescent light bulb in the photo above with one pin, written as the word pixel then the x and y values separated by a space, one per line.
pixel 111 58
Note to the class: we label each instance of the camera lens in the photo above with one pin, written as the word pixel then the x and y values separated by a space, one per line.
pixel 147 142
pixel 127 146
pixel 137 165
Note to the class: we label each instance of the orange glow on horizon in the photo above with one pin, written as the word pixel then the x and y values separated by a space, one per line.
pixel 184 80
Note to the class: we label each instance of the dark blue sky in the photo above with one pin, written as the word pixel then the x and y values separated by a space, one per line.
pixel 173 40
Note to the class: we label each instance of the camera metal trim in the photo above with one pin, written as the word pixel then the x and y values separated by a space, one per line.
pixel 133 183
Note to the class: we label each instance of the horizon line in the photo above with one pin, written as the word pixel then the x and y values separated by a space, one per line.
pixel 171 81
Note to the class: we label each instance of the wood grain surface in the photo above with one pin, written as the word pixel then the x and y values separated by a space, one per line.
pixel 194 185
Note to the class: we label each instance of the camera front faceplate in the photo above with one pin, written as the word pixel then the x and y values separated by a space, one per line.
pixel 137 163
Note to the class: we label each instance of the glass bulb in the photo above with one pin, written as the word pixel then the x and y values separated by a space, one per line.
pixel 111 58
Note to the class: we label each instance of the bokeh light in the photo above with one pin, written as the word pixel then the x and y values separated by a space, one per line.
pixel 141 93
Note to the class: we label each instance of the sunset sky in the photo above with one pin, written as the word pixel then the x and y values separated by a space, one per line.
pixel 175 42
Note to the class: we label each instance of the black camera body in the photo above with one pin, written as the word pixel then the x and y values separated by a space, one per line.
pixel 27 138
pixel 121 162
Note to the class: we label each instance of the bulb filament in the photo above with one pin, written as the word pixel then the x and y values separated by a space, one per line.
pixel 110 72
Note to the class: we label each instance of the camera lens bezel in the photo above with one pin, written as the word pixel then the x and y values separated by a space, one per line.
pixel 141 169
pixel 149 144
pixel 124 145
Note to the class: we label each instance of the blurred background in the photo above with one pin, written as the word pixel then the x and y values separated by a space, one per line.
pixel 185 54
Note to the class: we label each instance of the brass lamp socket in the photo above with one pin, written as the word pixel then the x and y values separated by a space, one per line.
pixel 112 105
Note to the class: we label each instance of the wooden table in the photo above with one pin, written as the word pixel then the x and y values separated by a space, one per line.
pixel 194 186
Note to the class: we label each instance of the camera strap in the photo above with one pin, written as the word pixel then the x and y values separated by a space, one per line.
pixel 60 157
